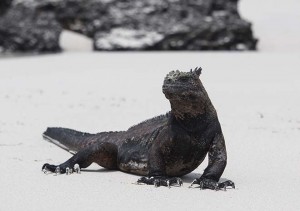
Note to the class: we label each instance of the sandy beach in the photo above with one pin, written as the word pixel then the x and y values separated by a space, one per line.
pixel 256 95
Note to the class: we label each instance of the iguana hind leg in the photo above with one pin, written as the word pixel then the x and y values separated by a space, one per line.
pixel 104 154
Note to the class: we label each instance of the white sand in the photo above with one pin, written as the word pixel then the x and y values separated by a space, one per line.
pixel 256 96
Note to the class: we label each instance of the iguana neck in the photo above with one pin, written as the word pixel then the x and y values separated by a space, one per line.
pixel 200 107
pixel 192 122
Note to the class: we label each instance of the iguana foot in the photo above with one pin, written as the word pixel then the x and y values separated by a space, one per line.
pixel 160 181
pixel 212 184
pixel 60 169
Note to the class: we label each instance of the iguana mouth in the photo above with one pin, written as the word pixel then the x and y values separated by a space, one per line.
pixel 168 90
pixel 180 87
pixel 179 90
pixel 168 86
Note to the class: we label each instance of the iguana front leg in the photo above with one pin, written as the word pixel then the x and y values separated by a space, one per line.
pixel 157 170
pixel 217 160
pixel 157 176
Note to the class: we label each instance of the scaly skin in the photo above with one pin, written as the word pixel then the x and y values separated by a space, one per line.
pixel 160 149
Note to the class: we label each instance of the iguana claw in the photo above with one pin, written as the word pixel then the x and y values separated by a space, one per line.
pixel 77 168
pixel 69 171
pixel 193 183
pixel 57 171
pixel 47 168
pixel 226 184
pixel 46 171
pixel 212 184
pixel 160 181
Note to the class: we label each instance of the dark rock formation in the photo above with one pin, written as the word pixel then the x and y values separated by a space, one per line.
pixel 24 28
pixel 158 24
pixel 32 25
pixel 4 5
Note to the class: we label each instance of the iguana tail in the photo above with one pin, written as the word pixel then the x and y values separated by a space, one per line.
pixel 68 139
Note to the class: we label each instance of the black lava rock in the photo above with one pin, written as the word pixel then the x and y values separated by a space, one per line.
pixel 4 5
pixel 24 28
pixel 33 25
pixel 158 24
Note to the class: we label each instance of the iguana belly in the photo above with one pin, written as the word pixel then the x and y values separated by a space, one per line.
pixel 181 167
pixel 135 167
pixel 133 159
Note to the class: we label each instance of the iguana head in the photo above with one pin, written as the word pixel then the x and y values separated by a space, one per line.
pixel 185 92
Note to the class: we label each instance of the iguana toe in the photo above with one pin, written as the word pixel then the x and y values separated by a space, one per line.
pixel 224 185
pixel 161 181
pixel 50 168
pixel 69 171
pixel 77 168
pixel 60 169
pixel 212 184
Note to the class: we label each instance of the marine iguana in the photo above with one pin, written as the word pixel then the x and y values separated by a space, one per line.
pixel 160 149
